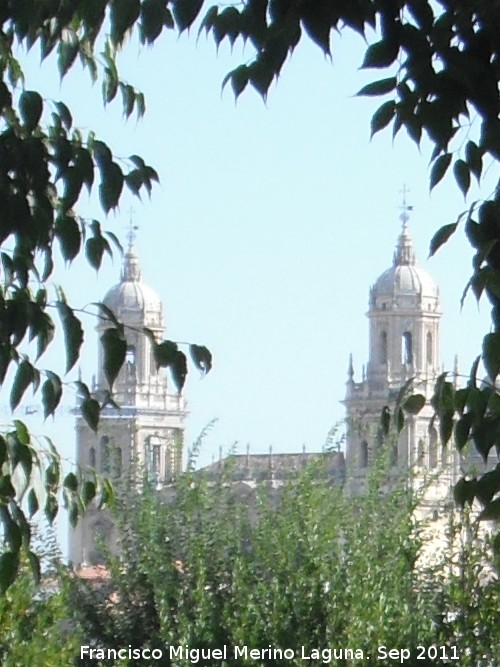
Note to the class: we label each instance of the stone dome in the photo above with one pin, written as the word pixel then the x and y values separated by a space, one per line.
pixel 131 294
pixel 405 277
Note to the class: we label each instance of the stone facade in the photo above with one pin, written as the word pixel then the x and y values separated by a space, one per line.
pixel 404 316
pixel 143 437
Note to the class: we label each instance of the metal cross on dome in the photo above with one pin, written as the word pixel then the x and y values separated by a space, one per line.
pixel 132 229
pixel 405 208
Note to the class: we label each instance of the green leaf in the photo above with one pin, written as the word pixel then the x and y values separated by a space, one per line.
pixel 464 492
pixel 94 250
pixel 462 175
pixel 22 432
pixel 178 368
pixel 140 103
pixel 85 166
pixel 164 353
pixel 73 334
pixel 185 12
pixel 381 54
pixel 491 355
pixel 88 492
pixel 116 242
pixel 202 358
pixel 52 475
pixel 73 183
pixel 7 491
pixel 90 411
pixel 20 454
pixel 414 404
pixel 318 19
pixel 22 380
pixel 445 427
pixel 65 114
pixel 491 512
pixel 71 482
pixel 33 505
pixel 114 349
pixel 82 390
pixel 102 154
pixel 383 116
pixel 68 233
pixel 441 236
pixel 123 15
pixel 30 108
pixel 109 85
pixel 152 18
pixel 51 394
pixel 381 87
pixel 51 507
pixel 439 169
pixel 111 186
pixel 128 99
pixel 107 315
pixel 9 565
pixel 12 533
pixel 45 334
pixel 107 495
pixel 474 159
pixel 67 52
pixel 462 430
pixel 488 485
pixel 239 78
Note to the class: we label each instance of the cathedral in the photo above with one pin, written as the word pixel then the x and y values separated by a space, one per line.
pixel 145 436
pixel 147 431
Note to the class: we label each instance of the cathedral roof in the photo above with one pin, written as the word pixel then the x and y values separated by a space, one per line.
pixel 131 294
pixel 405 277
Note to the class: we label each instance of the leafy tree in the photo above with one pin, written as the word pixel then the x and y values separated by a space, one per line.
pixel 45 164
pixel 304 566
pixel 35 620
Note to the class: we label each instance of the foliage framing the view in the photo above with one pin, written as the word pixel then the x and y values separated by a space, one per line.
pixel 443 68
pixel 45 165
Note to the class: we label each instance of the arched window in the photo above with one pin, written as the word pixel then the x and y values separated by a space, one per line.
pixel 383 347
pixel 92 457
pixel 130 361
pixel 117 462
pixel 104 451
pixel 156 460
pixel 445 455
pixel 407 348
pixel 363 454
pixel 429 348
pixel 433 448
pixel 420 452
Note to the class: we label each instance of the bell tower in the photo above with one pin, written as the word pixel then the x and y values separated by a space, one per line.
pixel 404 316
pixel 143 439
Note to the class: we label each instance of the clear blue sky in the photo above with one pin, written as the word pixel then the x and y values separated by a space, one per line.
pixel 270 224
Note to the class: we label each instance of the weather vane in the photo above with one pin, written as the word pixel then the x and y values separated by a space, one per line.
pixel 405 208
